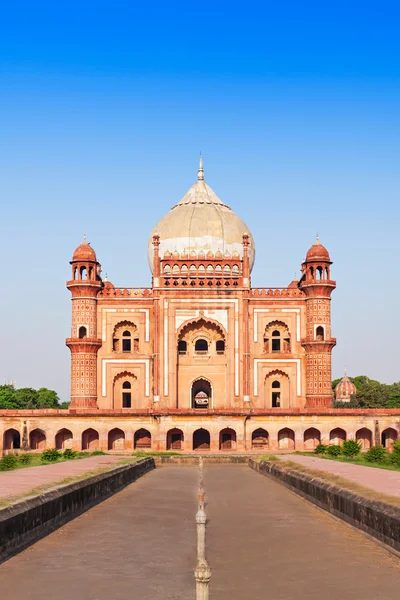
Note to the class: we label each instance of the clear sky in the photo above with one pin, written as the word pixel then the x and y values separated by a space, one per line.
pixel 104 107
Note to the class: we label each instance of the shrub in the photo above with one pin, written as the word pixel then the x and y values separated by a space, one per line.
pixel 97 453
pixel 376 454
pixel 25 458
pixel 320 449
pixel 395 456
pixel 50 455
pixel 351 448
pixel 69 454
pixel 8 462
pixel 334 450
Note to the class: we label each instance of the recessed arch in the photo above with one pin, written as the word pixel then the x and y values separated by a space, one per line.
pixel 337 436
pixel 388 437
pixel 312 437
pixel 116 439
pixel 64 439
pixel 364 435
pixel 142 439
pixel 227 439
pixel 286 439
pixel 175 439
pixel 37 439
pixel 259 439
pixel 201 439
pixel 11 439
pixel 90 439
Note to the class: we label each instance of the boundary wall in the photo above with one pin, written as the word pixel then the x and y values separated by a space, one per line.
pixel 378 519
pixel 25 522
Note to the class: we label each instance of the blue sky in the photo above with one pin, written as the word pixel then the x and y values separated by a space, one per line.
pixel 104 108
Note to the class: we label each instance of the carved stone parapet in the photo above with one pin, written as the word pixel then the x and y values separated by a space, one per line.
pixel 86 345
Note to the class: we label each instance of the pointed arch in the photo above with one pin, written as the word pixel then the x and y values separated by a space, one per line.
pixel 201 439
pixel 37 439
pixel 116 439
pixel 11 439
pixel 175 439
pixel 90 439
pixel 259 439
pixel 142 439
pixel 64 439
pixel 312 437
pixel 286 439
pixel 199 322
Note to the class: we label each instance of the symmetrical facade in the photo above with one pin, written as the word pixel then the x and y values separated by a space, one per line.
pixel 201 360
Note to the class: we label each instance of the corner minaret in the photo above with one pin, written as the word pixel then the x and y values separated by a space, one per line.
pixel 84 343
pixel 316 283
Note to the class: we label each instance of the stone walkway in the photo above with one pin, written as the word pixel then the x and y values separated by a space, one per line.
pixel 380 480
pixel 263 543
pixel 22 481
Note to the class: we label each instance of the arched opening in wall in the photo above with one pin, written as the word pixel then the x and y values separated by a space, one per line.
pixel 276 390
pixel 76 273
pixel 82 333
pixel 90 272
pixel 277 337
pixel 90 439
pixel 364 436
pixel 201 439
pixel 125 337
pixel 201 394
pixel 64 439
pixel 311 272
pixel 175 439
pixel 201 346
pixel 259 439
pixel 11 440
pixel 319 333
pixel 126 394
pixel 276 394
pixel 37 440
pixel 83 273
pixel 182 347
pixel 389 436
pixel 220 346
pixel 312 437
pixel 286 439
pixel 116 439
pixel 142 439
pixel 227 439
pixel 319 273
pixel 337 436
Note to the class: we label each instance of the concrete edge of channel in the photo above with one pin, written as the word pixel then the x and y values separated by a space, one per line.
pixel 377 519
pixel 27 521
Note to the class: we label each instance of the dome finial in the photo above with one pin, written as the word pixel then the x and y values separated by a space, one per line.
pixel 317 242
pixel 84 239
pixel 200 172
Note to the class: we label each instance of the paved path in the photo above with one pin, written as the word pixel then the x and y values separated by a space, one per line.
pixel 263 543
pixel 381 480
pixel 21 481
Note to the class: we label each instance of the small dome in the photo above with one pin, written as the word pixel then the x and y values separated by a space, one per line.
pixel 201 223
pixel 345 389
pixel 318 252
pixel 84 252
pixel 294 283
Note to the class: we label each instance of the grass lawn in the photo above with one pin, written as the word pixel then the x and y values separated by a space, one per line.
pixel 35 460
pixel 357 460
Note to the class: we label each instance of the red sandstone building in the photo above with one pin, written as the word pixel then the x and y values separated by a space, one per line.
pixel 201 360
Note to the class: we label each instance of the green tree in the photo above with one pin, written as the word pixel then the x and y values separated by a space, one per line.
pixel 7 397
pixel 47 399
pixel 64 405
pixel 26 397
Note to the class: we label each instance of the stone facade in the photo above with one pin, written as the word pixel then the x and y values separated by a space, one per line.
pixel 198 350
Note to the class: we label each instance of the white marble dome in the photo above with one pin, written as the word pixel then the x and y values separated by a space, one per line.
pixel 201 222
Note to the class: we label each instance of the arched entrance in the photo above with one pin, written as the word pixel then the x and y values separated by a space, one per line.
pixel 90 439
pixel 259 439
pixel 142 439
pixel 116 439
pixel 227 439
pixel 37 439
pixel 11 440
pixel 174 439
pixel 64 439
pixel 201 439
pixel 201 394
